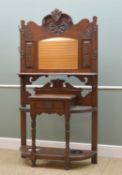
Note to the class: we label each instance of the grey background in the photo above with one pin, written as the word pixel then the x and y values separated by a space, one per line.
pixel 110 62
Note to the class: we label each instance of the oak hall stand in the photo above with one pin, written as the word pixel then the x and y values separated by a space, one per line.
pixel 58 47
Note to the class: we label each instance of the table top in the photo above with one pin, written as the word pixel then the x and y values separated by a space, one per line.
pixel 53 96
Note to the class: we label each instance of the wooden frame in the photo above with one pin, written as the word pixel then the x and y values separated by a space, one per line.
pixel 58 96
pixel 59 25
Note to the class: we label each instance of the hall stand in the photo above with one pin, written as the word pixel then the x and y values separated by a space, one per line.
pixel 58 47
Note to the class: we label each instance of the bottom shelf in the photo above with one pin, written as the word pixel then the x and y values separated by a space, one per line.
pixel 57 153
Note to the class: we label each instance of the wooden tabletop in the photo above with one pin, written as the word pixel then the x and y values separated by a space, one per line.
pixel 53 96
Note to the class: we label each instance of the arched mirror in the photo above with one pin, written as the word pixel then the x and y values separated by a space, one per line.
pixel 58 53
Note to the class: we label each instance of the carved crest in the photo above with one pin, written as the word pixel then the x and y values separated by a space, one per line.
pixel 57 22
pixel 56 14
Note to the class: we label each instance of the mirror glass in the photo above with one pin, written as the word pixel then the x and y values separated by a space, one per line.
pixel 58 53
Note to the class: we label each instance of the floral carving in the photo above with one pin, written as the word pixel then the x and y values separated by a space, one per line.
pixel 57 28
pixel 57 22
pixel 88 32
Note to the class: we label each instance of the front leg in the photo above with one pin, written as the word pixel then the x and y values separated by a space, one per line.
pixel 33 134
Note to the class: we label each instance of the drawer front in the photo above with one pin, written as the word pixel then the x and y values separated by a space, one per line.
pixel 50 106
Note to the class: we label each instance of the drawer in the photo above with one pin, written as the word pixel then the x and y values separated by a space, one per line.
pixel 50 106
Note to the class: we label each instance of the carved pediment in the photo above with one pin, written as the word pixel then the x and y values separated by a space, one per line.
pixel 57 22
